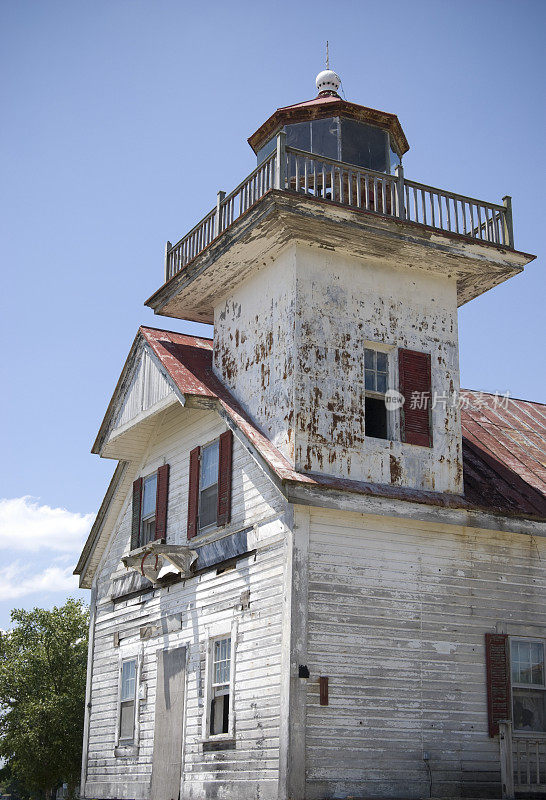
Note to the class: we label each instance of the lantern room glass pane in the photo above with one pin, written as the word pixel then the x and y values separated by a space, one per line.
pixel 299 135
pixel 364 145
pixel 266 150
pixel 325 137
pixel 395 159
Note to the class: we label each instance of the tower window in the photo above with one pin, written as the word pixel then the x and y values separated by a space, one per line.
pixel 376 382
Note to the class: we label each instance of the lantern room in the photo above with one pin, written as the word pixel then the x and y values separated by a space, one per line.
pixel 333 128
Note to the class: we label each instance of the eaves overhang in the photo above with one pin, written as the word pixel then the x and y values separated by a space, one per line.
pixel 281 218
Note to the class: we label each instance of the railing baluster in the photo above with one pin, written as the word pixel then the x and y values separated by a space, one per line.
pixel 423 204
pixel 359 190
pixel 375 194
pixel 448 213
pixel 395 210
pixel 367 192
pixel 479 215
pixel 341 192
pixel 408 204
pixel 305 179
pixel 415 204
pixel 350 187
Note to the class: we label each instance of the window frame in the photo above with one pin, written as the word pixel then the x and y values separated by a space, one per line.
pixel 393 428
pixel 520 732
pixel 211 525
pixel 209 665
pixel 120 743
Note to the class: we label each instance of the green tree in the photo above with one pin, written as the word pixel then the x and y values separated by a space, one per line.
pixel 43 660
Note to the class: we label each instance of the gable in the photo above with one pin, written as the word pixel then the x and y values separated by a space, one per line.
pixel 143 391
pixel 147 390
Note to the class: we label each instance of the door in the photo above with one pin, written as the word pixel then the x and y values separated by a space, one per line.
pixel 169 711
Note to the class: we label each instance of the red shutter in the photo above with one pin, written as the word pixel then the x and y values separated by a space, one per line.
pixel 498 680
pixel 193 493
pixel 135 519
pixel 223 512
pixel 161 502
pixel 416 387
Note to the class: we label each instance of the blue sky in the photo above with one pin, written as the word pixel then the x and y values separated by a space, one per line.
pixel 122 119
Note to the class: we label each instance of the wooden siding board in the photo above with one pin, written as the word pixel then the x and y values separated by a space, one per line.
pixel 397 613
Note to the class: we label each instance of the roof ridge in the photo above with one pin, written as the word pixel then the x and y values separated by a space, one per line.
pixel 175 333
pixel 497 394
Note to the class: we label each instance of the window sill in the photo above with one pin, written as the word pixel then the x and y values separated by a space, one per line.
pixel 223 741
pixel 126 751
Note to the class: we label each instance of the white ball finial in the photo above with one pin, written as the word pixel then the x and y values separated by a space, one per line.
pixel 328 81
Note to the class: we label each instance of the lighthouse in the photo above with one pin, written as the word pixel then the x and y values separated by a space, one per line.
pixel 319 569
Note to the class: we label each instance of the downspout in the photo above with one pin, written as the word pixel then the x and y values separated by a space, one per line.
pixel 89 681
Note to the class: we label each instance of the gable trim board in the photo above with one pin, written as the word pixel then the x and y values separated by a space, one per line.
pixel 186 364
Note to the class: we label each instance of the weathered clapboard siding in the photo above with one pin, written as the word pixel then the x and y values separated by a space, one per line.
pixel 147 388
pixel 256 700
pixel 206 605
pixel 397 613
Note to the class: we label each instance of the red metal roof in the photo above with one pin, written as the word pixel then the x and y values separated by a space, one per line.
pixel 504 449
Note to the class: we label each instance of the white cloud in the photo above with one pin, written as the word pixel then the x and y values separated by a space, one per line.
pixel 17 580
pixel 27 525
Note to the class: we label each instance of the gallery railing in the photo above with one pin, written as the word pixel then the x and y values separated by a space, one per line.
pixel 290 169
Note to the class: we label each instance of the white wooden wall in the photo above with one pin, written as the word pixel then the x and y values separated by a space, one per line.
pixel 397 613
pixel 207 604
